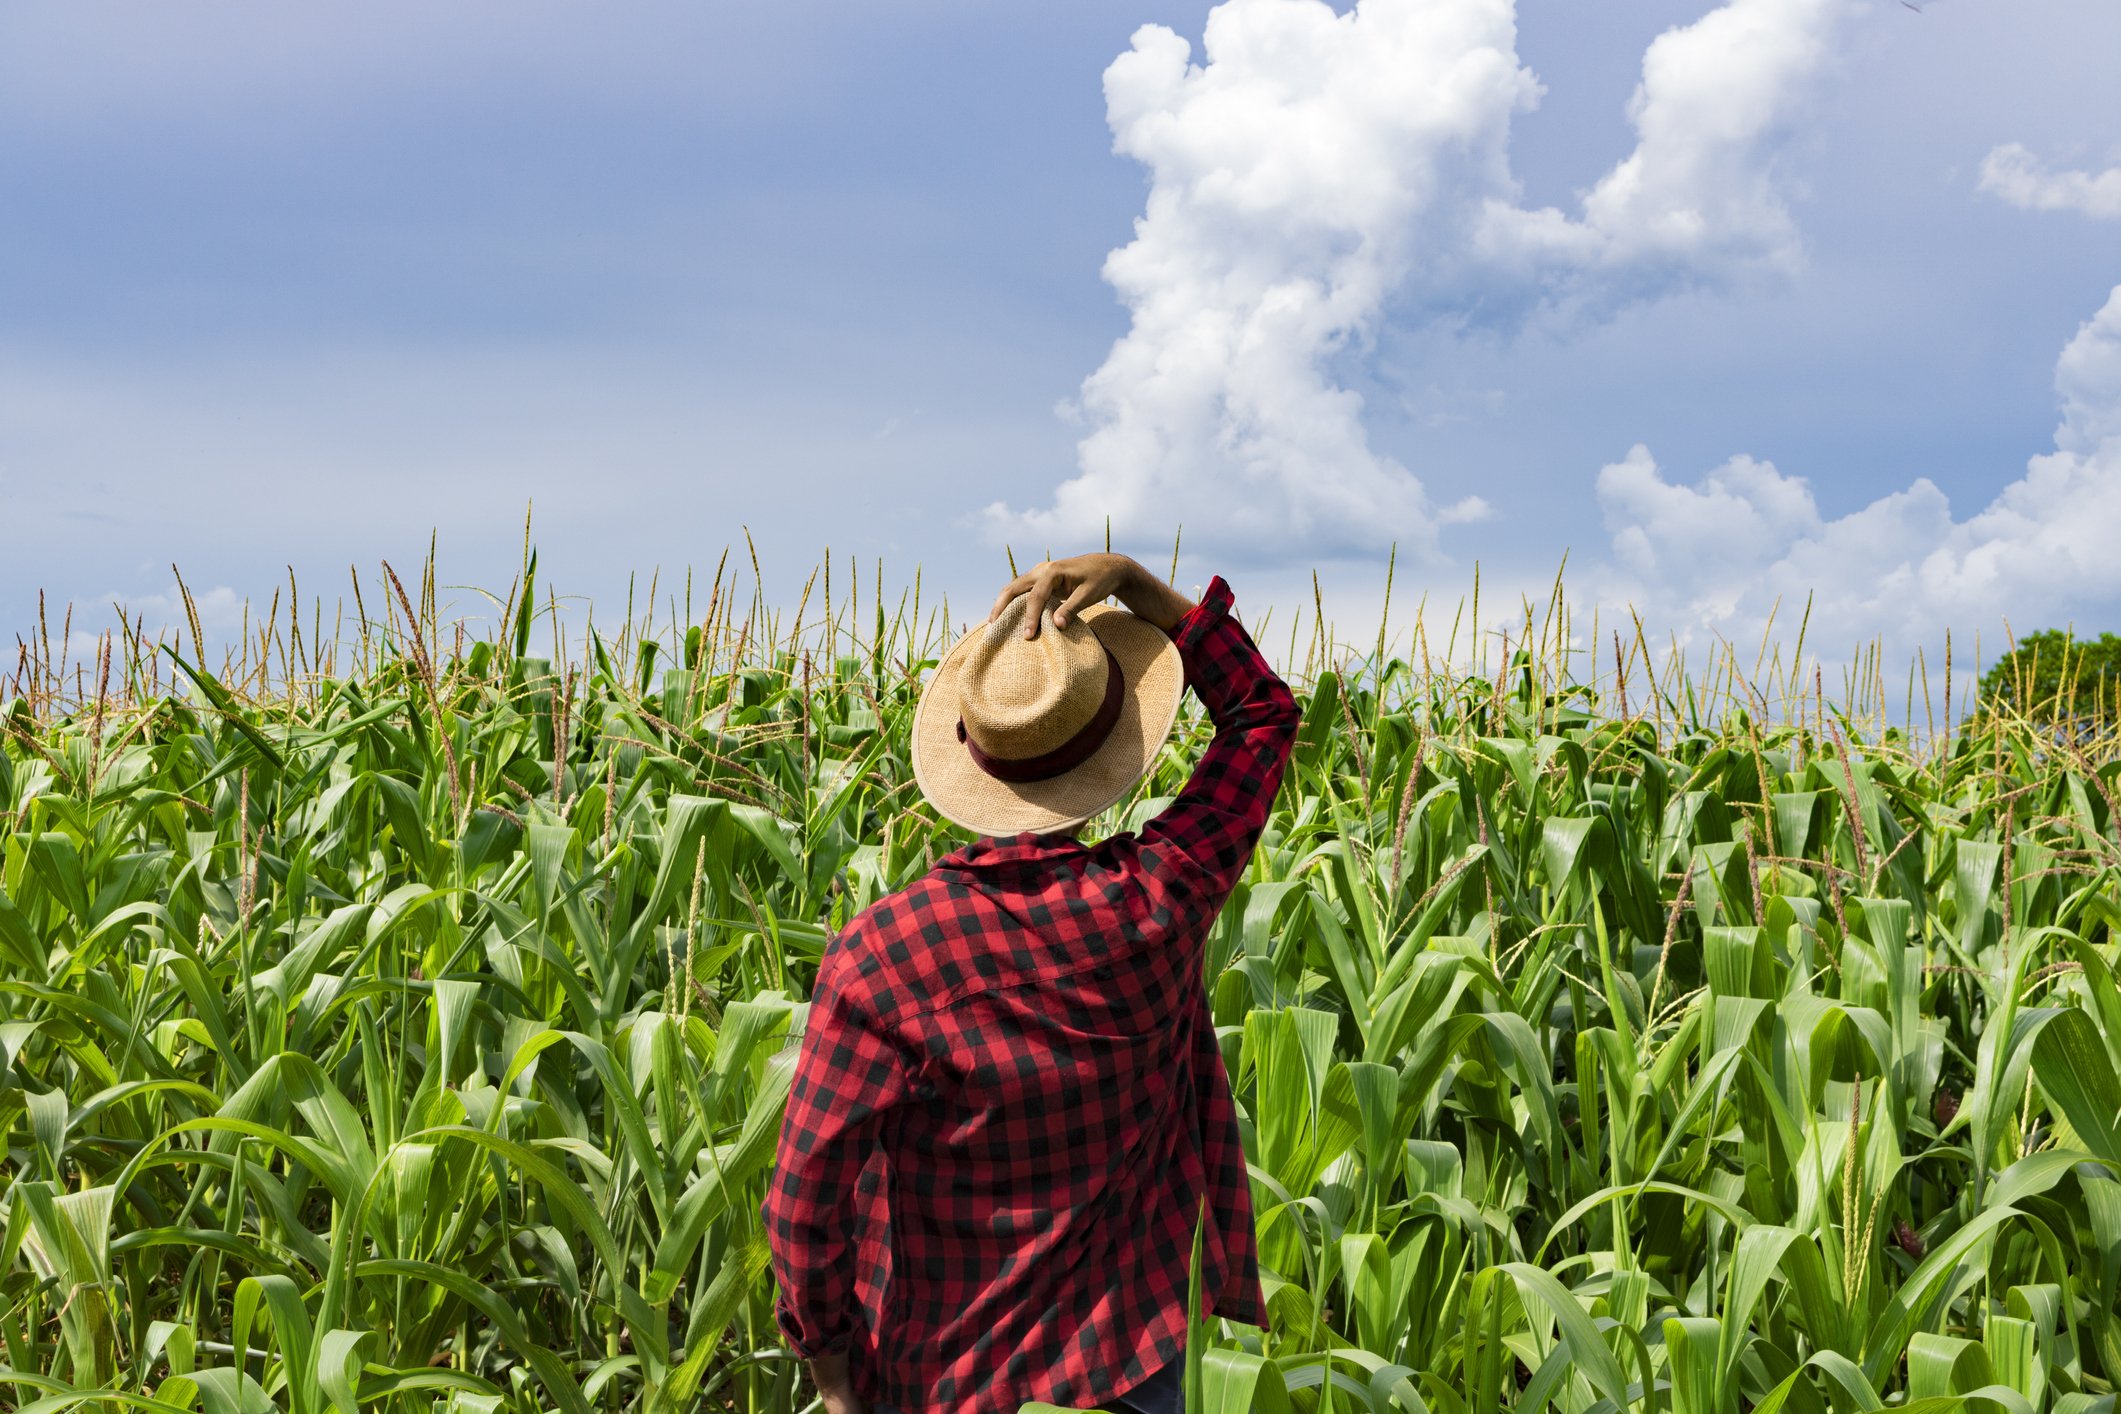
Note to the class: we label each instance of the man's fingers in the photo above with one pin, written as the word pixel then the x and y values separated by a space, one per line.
pixel 1076 579
pixel 1009 591
pixel 1083 593
pixel 1042 586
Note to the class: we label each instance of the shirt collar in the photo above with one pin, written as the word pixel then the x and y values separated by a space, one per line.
pixel 1028 847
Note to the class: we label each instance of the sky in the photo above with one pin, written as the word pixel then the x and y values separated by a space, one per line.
pixel 1728 304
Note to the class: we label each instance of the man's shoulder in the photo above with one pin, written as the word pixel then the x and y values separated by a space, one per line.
pixel 890 956
pixel 920 911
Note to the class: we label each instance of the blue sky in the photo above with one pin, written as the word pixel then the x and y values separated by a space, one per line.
pixel 288 286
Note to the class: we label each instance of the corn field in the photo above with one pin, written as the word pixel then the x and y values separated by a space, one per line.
pixel 397 1015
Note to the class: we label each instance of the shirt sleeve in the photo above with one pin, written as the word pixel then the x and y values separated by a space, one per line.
pixel 1207 834
pixel 848 1077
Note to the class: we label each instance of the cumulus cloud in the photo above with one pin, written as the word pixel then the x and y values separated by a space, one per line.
pixel 158 615
pixel 1698 197
pixel 1320 165
pixel 2013 174
pixel 221 610
pixel 1714 556
pixel 69 639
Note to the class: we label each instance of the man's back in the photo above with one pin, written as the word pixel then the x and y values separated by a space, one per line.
pixel 1023 1036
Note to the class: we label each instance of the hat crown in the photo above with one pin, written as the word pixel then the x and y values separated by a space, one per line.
pixel 1022 697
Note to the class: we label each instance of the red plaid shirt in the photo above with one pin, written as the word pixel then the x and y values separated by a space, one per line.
pixel 1022 1041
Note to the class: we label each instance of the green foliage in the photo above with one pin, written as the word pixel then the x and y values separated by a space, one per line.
pixel 2058 680
pixel 415 1036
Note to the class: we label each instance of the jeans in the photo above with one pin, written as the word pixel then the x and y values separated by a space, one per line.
pixel 1162 1393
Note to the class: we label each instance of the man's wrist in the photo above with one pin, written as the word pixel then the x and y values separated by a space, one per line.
pixel 1148 597
pixel 829 1372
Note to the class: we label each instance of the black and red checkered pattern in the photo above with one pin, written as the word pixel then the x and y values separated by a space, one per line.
pixel 1009 1103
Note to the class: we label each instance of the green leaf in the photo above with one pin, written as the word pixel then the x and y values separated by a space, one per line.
pixel 1587 1350
pixel 2070 1061
pixel 1237 1382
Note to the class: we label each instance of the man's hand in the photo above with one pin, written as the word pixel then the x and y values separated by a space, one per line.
pixel 829 1374
pixel 1091 579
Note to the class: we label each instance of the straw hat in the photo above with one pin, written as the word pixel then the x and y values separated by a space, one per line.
pixel 1016 733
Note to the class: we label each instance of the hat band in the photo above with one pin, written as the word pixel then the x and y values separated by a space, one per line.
pixel 1070 753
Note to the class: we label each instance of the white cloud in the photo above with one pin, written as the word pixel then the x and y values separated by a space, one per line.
pixel 1699 195
pixel 221 610
pixel 2012 173
pixel 1712 558
pixel 160 617
pixel 1319 165
pixel 76 634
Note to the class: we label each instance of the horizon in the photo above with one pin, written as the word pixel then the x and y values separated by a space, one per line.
pixel 1463 639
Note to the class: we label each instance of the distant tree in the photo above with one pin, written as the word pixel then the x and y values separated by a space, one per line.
pixel 2053 677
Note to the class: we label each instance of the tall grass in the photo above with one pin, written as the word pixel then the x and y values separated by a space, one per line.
pixel 398 1014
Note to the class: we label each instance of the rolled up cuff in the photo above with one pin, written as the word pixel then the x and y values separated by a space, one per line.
pixel 812 1341
pixel 1213 608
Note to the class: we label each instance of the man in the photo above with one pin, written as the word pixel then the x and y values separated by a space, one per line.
pixel 1009 1074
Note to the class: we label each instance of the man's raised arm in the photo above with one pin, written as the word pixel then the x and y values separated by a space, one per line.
pixel 1209 831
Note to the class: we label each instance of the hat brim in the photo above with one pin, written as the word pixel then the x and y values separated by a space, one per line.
pixel 963 793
